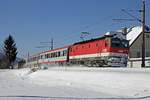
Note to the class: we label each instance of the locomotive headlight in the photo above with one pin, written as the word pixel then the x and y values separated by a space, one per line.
pixel 121 51
pixel 114 59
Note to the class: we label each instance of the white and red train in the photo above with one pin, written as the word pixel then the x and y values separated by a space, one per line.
pixel 104 51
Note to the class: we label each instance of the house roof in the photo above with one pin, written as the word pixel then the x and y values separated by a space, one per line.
pixel 133 34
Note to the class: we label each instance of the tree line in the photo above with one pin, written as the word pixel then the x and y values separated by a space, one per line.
pixel 9 53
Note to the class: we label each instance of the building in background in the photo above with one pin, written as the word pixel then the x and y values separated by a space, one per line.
pixel 135 56
pixel 134 35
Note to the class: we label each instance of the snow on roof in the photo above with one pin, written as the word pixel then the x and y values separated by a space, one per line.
pixel 116 34
pixel 133 33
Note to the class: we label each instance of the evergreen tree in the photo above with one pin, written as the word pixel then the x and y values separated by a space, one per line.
pixel 10 50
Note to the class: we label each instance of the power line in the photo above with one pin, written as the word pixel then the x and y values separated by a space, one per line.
pixel 79 30
pixel 49 44
pixel 132 15
pixel 82 28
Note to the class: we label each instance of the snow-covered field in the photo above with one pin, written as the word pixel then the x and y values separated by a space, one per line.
pixel 75 83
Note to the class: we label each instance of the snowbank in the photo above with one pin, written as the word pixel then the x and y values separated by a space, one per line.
pixel 124 82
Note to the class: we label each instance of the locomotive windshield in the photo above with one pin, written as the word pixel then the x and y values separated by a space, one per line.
pixel 118 43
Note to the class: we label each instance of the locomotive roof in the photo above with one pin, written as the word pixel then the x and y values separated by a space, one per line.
pixel 100 38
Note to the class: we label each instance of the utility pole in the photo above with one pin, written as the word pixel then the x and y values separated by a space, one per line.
pixel 52 43
pixel 142 21
pixel 143 32
pixel 28 57
pixel 49 44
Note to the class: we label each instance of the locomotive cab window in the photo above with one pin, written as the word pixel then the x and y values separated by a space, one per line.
pixel 117 43
pixel 125 43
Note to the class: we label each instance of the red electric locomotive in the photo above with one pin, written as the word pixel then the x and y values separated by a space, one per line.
pixel 104 51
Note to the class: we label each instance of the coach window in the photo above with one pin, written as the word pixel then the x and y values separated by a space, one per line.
pixel 35 58
pixel 55 54
pixel 49 55
pixel 59 54
pixel 64 52
pixel 42 57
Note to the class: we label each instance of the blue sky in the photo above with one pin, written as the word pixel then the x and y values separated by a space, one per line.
pixel 33 21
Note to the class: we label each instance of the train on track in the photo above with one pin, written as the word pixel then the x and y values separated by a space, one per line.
pixel 107 50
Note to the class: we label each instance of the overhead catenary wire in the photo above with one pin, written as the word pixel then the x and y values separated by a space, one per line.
pixel 132 15
pixel 79 30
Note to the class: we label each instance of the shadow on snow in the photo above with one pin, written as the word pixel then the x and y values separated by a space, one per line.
pixel 76 98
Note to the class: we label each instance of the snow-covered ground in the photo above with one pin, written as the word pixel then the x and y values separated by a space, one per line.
pixel 75 83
